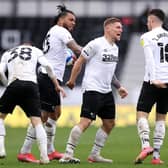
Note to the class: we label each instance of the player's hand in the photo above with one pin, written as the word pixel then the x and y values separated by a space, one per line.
pixel 158 84
pixel 60 89
pixel 122 92
pixel 74 59
pixel 70 84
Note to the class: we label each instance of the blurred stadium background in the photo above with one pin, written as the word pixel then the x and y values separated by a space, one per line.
pixel 29 20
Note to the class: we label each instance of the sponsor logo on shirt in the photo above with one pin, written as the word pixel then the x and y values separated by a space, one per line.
pixel 109 58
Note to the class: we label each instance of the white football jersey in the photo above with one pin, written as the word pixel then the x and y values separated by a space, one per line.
pixel 54 48
pixel 21 62
pixel 155 44
pixel 102 58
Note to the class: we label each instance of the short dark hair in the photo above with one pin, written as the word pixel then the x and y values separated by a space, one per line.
pixel 62 11
pixel 158 13
pixel 111 20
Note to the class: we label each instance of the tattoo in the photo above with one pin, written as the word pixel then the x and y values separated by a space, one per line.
pixel 115 82
pixel 75 47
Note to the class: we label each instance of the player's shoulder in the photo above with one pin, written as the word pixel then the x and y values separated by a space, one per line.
pixel 146 38
pixel 58 29
pixel 98 40
pixel 36 48
pixel 165 26
pixel 94 43
pixel 153 32
pixel 36 51
pixel 146 35
pixel 11 49
pixel 5 53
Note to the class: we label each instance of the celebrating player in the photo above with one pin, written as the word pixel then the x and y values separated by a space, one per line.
pixel 101 57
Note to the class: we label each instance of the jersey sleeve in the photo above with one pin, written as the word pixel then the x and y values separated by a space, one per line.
pixel 144 40
pixel 4 62
pixel 3 68
pixel 66 36
pixel 44 62
pixel 89 50
pixel 147 45
pixel 38 51
pixel 150 63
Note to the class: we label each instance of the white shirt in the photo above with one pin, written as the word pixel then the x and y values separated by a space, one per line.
pixel 155 44
pixel 21 63
pixel 54 47
pixel 101 62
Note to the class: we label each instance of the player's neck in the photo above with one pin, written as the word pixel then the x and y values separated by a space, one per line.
pixel 156 25
pixel 109 39
pixel 60 23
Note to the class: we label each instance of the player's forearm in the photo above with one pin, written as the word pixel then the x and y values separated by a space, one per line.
pixel 44 62
pixel 116 82
pixel 55 81
pixel 50 72
pixel 75 47
pixel 75 72
pixel 52 76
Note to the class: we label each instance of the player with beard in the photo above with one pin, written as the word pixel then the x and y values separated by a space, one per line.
pixel 57 40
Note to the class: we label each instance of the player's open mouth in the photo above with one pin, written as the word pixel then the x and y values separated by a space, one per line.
pixel 118 35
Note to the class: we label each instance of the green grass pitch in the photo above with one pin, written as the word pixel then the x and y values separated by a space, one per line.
pixel 122 146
